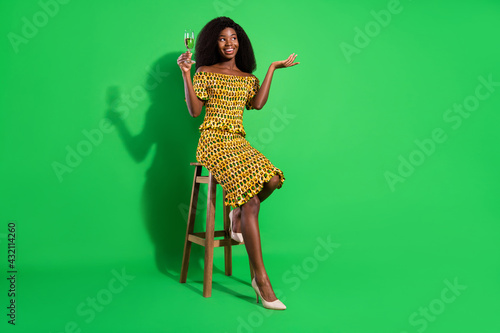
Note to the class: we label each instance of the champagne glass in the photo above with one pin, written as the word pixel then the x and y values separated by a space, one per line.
pixel 189 42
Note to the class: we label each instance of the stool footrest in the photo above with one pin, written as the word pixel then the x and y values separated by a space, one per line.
pixel 199 238
pixel 217 233
pixel 202 179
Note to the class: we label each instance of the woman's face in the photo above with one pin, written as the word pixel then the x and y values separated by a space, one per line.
pixel 228 43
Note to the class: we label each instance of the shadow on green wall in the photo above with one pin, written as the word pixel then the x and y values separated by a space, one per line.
pixel 167 188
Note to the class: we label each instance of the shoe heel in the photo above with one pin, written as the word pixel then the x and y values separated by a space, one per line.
pixel 274 305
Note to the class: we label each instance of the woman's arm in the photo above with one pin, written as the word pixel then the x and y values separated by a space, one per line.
pixel 194 104
pixel 260 99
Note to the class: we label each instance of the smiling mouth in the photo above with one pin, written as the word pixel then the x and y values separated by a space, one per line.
pixel 229 51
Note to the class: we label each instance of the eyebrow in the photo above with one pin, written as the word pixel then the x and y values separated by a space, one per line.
pixel 226 35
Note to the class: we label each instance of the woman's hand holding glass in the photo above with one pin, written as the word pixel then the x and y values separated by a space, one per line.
pixel 183 63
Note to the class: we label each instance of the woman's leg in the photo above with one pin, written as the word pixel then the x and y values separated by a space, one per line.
pixel 251 235
pixel 248 215
pixel 266 191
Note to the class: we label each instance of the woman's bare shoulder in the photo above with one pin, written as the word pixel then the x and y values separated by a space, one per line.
pixel 219 70
pixel 202 69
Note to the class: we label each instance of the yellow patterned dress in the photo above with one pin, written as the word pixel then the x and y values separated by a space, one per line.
pixel 241 169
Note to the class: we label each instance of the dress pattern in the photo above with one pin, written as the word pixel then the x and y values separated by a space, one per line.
pixel 222 148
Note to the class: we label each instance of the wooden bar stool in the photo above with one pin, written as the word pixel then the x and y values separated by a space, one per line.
pixel 207 238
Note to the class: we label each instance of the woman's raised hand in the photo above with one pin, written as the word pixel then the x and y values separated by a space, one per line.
pixel 181 61
pixel 289 62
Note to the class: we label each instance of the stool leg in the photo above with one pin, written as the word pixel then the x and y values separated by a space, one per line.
pixel 227 249
pixel 190 224
pixel 209 237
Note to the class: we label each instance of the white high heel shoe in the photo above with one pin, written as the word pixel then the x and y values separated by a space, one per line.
pixel 237 236
pixel 274 305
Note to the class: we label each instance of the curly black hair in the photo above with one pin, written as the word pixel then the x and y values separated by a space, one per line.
pixel 206 50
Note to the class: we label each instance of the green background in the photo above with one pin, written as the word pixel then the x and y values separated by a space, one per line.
pixel 336 125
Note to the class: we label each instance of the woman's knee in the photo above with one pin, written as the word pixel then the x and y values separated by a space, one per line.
pixel 273 182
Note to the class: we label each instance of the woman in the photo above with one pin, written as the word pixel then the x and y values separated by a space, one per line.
pixel 223 83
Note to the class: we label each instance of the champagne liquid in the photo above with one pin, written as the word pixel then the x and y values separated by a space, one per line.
pixel 189 42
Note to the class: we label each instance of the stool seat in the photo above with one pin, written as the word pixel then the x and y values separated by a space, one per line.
pixel 207 238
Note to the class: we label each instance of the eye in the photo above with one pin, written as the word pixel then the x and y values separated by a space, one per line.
pixel 222 39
